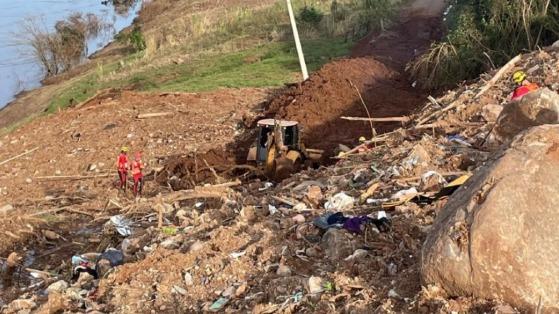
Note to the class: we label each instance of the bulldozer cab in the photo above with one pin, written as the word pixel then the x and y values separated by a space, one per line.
pixel 271 130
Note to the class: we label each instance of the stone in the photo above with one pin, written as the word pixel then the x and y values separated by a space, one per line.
pixel 497 236
pixel 20 305
pixel 314 195
pixel 188 280
pixel 6 209
pixel 536 108
pixel 196 246
pixel 178 289
pixel 315 285
pixel 173 242
pixel 130 246
pixel 84 279
pixel 491 112
pixel 241 290
pixel 283 270
pixel 51 235
pixel 55 304
pixel 248 214
pixel 298 219
pixel 229 292
pixel 91 167
pixel 337 244
pixel 59 286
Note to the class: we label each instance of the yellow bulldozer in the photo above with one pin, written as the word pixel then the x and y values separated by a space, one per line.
pixel 278 150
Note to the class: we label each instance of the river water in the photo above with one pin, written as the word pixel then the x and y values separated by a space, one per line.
pixel 18 71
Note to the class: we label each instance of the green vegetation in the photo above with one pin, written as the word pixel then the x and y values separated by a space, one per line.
pixel 484 34
pixel 135 39
pixel 262 66
pixel 238 47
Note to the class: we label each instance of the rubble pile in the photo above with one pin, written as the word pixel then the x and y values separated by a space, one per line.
pixel 342 238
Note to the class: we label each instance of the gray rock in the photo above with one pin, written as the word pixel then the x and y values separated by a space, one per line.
pixel 491 112
pixel 59 286
pixel 315 285
pixel 536 108
pixel 283 270
pixel 337 244
pixel 497 238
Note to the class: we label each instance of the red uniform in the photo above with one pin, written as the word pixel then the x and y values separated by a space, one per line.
pixel 522 90
pixel 122 167
pixel 137 166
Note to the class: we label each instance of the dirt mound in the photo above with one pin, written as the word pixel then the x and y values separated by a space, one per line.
pixel 329 94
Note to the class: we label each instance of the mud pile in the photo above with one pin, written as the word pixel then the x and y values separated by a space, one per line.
pixel 333 92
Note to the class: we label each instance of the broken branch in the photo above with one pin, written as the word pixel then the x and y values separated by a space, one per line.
pixel 387 119
pixel 153 115
pixel 18 156
pixel 506 68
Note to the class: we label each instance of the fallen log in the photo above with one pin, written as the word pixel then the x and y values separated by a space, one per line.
pixel 386 119
pixel 18 156
pixel 70 178
pixel 154 115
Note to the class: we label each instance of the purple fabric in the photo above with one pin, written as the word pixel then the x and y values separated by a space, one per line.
pixel 354 224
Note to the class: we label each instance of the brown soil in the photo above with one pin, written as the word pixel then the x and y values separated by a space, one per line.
pixel 73 139
pixel 376 70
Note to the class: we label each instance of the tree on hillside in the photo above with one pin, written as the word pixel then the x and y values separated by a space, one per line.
pixel 61 49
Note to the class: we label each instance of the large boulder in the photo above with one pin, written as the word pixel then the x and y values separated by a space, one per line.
pixel 536 108
pixel 498 236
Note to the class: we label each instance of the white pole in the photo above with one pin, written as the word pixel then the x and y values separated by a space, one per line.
pixel 297 41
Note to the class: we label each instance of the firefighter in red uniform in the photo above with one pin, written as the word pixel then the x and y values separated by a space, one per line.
pixel 523 85
pixel 122 167
pixel 136 167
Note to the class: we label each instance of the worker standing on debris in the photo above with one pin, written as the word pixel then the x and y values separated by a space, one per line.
pixel 122 167
pixel 523 85
pixel 137 166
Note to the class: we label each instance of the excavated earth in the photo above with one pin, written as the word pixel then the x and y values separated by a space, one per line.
pixel 239 241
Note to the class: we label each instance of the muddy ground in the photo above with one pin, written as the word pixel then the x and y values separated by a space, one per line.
pixel 233 243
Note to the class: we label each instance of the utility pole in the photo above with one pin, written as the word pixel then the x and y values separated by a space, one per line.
pixel 297 41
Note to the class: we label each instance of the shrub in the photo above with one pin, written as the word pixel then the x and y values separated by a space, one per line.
pixel 134 39
pixel 310 15
pixel 485 33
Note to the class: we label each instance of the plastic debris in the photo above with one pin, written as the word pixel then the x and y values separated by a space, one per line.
pixel 219 304
pixel 405 194
pixel 236 255
pixel 272 209
pixel 266 186
pixel 122 225
pixel 340 202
